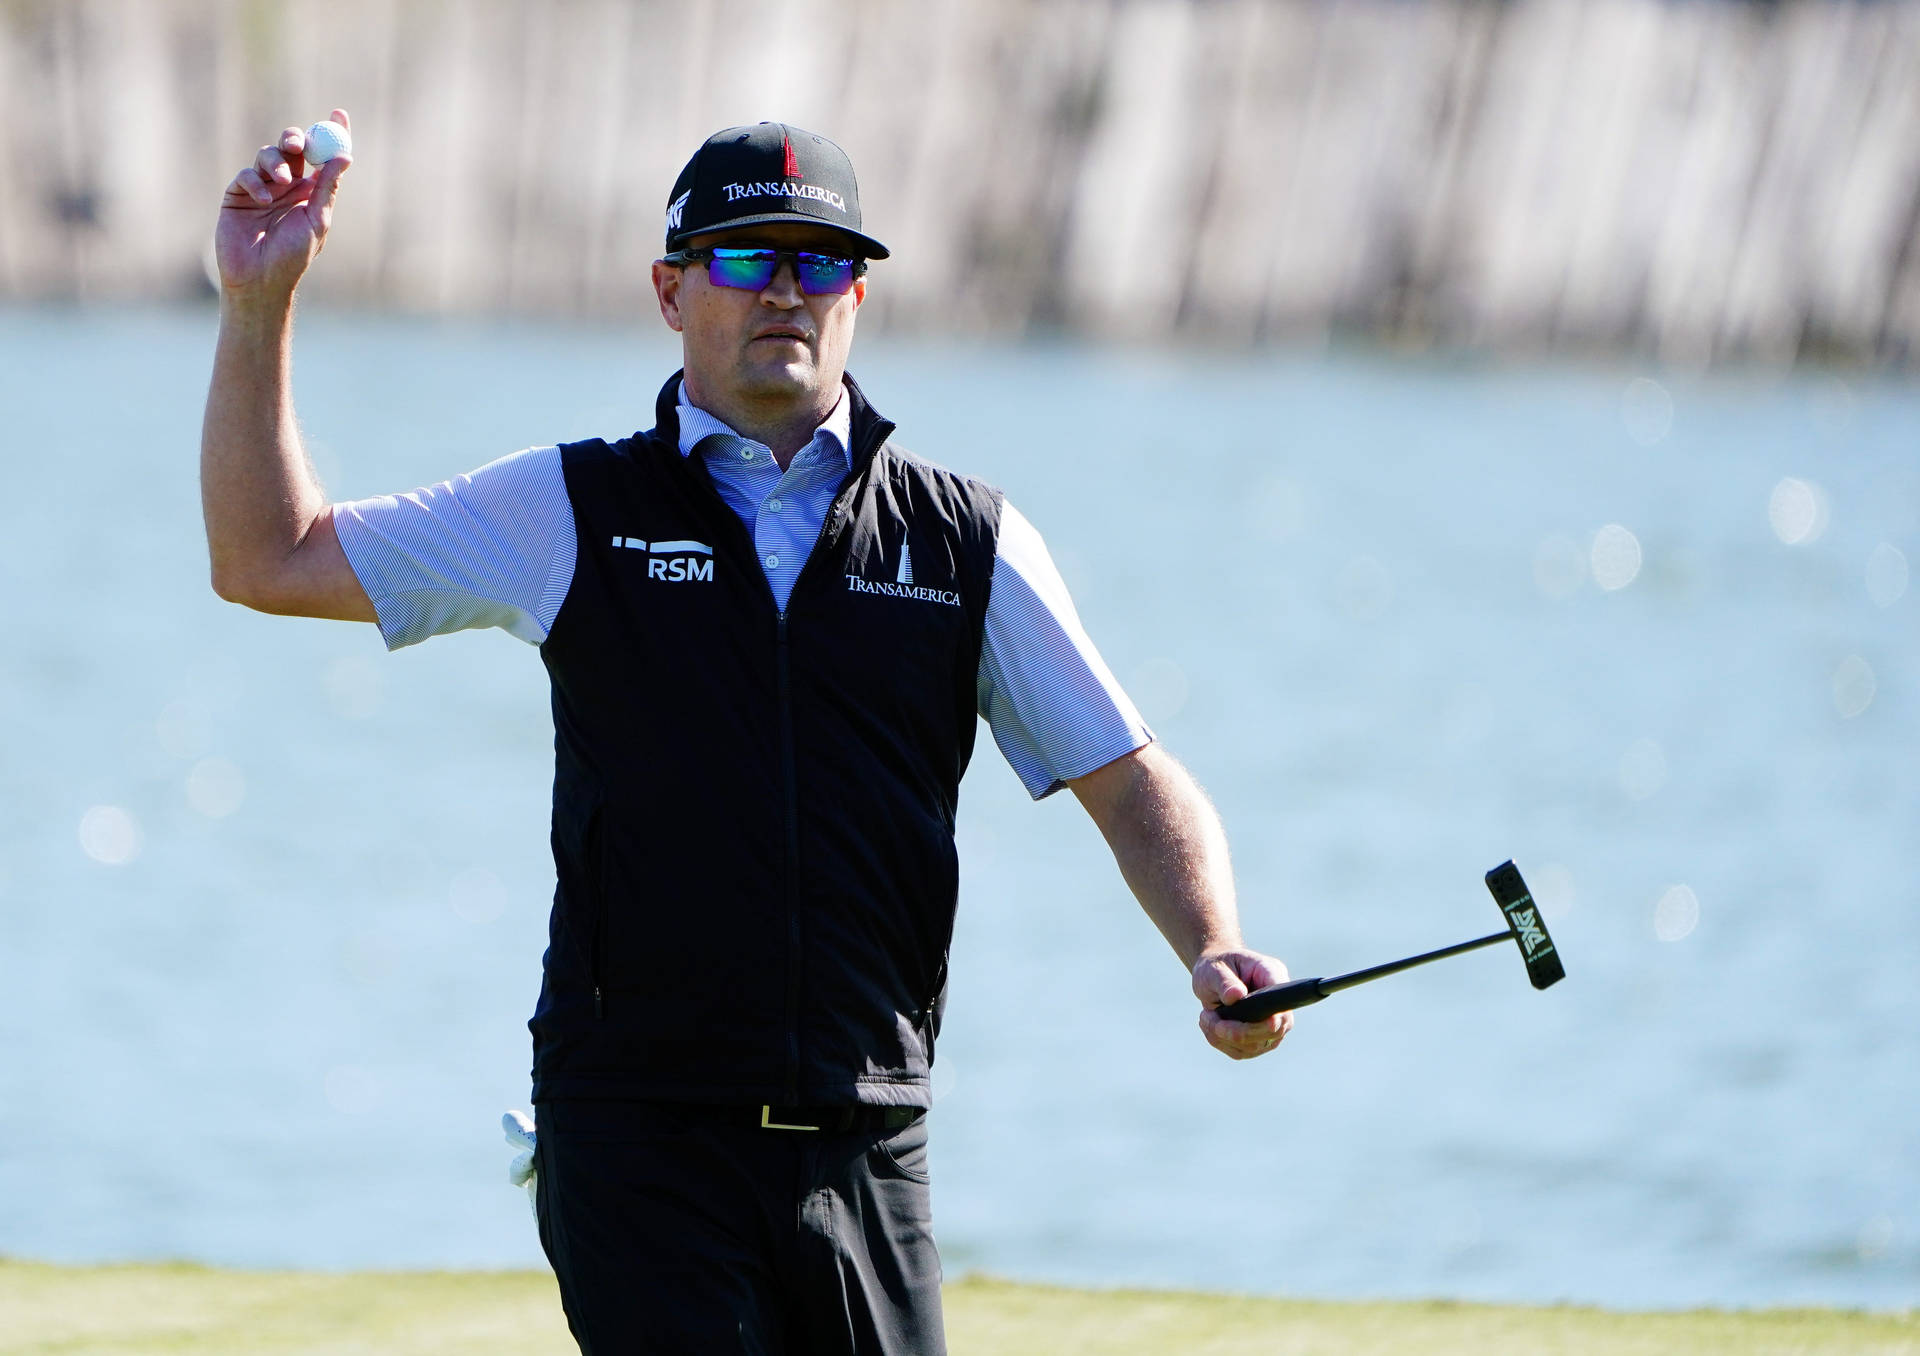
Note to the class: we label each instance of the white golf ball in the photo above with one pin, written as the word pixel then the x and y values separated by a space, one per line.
pixel 325 140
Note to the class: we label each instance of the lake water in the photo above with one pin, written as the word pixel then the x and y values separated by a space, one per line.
pixel 274 900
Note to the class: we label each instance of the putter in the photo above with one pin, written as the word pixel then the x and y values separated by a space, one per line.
pixel 1523 926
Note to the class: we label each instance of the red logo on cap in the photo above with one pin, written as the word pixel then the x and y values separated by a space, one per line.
pixel 792 170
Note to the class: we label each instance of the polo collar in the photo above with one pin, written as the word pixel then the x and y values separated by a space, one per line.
pixel 696 424
pixel 868 426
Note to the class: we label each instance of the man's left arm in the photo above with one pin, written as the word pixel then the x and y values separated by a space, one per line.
pixel 1061 720
pixel 1172 852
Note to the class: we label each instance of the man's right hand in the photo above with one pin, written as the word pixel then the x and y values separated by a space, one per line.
pixel 274 217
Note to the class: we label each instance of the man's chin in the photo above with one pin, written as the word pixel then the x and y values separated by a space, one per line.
pixel 779 379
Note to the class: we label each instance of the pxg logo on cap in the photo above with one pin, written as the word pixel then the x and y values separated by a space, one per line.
pixel 766 173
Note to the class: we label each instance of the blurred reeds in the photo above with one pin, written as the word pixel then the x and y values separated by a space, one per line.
pixel 1696 180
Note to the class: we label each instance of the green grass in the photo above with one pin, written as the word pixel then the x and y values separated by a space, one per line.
pixel 140 1310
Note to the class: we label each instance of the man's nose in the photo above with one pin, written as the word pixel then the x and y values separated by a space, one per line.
pixel 783 288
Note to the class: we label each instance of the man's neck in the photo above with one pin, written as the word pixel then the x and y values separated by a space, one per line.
pixel 784 427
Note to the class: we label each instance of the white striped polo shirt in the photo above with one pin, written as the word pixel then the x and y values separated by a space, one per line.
pixel 497 548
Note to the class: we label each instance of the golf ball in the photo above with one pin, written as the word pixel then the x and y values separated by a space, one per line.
pixel 325 140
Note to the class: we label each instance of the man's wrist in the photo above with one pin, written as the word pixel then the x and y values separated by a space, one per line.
pixel 1216 947
pixel 256 310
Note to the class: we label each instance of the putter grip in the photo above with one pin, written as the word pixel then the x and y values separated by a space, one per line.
pixel 1263 1003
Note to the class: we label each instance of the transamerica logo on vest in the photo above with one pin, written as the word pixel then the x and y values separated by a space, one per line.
pixel 902 585
pixel 735 192
pixel 677 562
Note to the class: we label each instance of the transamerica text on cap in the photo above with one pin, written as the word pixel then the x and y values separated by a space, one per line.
pixel 735 192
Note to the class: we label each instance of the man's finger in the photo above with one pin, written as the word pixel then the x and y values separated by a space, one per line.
pixel 272 165
pixel 1267 1028
pixel 1244 1040
pixel 249 184
pixel 1242 1048
pixel 293 145
pixel 320 205
pixel 1216 984
pixel 339 115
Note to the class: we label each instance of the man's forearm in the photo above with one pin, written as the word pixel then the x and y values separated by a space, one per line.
pixel 1170 847
pixel 257 490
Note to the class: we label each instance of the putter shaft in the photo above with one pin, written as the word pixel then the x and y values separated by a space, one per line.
pixel 1298 993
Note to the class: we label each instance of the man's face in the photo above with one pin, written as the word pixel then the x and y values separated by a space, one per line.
pixel 777 345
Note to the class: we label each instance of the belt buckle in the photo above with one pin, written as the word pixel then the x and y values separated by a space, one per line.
pixel 768 1123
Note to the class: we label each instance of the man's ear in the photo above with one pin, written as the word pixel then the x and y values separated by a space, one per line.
pixel 666 287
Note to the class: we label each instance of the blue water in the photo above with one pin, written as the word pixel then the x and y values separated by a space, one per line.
pixel 274 900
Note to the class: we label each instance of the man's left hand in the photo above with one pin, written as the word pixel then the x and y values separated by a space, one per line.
pixel 1221 977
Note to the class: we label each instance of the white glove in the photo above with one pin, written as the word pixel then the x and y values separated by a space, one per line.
pixel 521 1135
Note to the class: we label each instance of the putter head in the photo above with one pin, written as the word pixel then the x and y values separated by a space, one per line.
pixel 1523 916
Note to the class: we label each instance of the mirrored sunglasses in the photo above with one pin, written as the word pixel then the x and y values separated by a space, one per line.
pixel 752 269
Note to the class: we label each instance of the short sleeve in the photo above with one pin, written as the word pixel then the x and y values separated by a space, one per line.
pixel 1054 707
pixel 494 548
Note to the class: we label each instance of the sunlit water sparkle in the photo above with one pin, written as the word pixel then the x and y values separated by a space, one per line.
pixel 274 900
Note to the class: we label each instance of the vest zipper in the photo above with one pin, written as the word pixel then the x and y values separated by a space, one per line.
pixel 828 525
pixel 867 444
pixel 597 949
pixel 791 786
pixel 792 808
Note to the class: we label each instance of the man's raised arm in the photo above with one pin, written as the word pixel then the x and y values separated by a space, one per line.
pixel 269 531
pixel 1172 853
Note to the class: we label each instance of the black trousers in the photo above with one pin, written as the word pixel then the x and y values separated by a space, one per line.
pixel 672 1234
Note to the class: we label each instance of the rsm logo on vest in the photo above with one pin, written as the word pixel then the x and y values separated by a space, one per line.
pixel 676 562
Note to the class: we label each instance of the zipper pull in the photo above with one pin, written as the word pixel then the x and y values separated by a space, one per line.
pixel 599 1008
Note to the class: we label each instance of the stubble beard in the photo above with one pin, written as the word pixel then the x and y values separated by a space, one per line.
pixel 793 377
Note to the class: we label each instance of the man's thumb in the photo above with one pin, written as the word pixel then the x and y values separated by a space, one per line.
pixel 1225 982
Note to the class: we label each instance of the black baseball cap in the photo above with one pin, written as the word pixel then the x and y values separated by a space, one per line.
pixel 750 176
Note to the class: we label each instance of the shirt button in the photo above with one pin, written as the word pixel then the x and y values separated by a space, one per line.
pixel 746 454
pixel 773 505
pixel 773 562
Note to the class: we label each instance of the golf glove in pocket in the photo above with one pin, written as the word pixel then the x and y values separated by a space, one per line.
pixel 521 1134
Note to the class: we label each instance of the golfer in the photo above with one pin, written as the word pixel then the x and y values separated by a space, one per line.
pixel 771 631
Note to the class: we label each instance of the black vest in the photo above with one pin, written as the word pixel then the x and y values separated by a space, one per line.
pixel 753 813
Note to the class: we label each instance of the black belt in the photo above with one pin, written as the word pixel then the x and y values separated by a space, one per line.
pixel 833 1119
